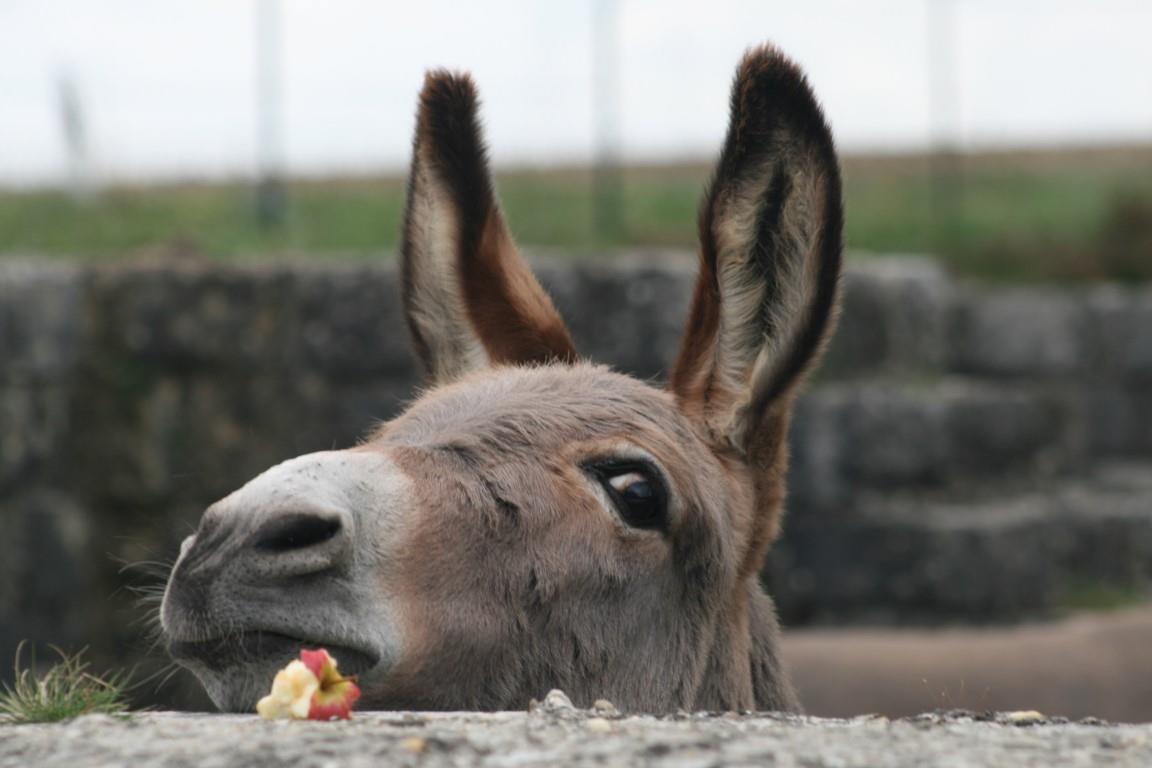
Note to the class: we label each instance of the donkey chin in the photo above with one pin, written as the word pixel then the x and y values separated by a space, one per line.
pixel 534 521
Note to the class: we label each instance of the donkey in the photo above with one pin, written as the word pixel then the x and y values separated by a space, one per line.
pixel 534 521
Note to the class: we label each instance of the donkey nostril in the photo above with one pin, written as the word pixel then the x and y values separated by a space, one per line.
pixel 297 531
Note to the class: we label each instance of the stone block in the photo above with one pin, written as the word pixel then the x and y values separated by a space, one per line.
pixel 895 437
pixel 39 319
pixel 1018 333
pixel 901 561
pixel 1118 417
pixel 893 318
pixel 1105 525
pixel 34 422
pixel 1119 335
pixel 817 480
pixel 952 433
pixel 195 316
pixel 629 316
pixel 351 322
pixel 1021 432
pixel 919 558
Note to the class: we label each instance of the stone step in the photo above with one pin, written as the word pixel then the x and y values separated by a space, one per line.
pixel 925 559
pixel 1030 332
pixel 949 433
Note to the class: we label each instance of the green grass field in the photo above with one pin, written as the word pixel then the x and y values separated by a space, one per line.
pixel 1016 215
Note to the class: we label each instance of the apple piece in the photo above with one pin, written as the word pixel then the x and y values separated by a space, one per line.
pixel 292 692
pixel 310 688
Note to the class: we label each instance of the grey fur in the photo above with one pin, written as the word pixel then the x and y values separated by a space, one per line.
pixel 469 558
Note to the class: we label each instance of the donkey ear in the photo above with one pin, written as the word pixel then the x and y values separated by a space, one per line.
pixel 770 236
pixel 470 300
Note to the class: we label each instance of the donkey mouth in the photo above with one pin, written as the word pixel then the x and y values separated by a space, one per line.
pixel 237 669
pixel 259 647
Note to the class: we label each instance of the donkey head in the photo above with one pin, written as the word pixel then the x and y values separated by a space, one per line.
pixel 534 521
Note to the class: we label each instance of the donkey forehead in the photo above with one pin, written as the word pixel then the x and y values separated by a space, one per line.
pixel 531 408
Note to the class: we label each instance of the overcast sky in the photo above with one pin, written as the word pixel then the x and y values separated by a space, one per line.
pixel 168 86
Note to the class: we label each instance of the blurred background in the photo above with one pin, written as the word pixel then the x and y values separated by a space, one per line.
pixel 1010 137
pixel 199 209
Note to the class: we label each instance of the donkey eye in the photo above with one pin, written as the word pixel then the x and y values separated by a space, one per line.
pixel 637 492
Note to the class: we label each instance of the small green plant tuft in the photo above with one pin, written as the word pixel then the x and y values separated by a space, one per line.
pixel 66 690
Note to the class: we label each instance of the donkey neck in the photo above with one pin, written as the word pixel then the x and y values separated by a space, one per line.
pixel 744 668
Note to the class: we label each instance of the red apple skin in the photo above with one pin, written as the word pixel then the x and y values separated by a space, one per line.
pixel 315 661
pixel 320 663
pixel 341 709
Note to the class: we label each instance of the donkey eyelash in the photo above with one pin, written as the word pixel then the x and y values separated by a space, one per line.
pixel 611 466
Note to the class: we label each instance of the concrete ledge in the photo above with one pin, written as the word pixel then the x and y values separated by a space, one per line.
pixel 575 738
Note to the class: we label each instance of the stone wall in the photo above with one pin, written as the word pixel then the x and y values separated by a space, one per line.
pixel 965 453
